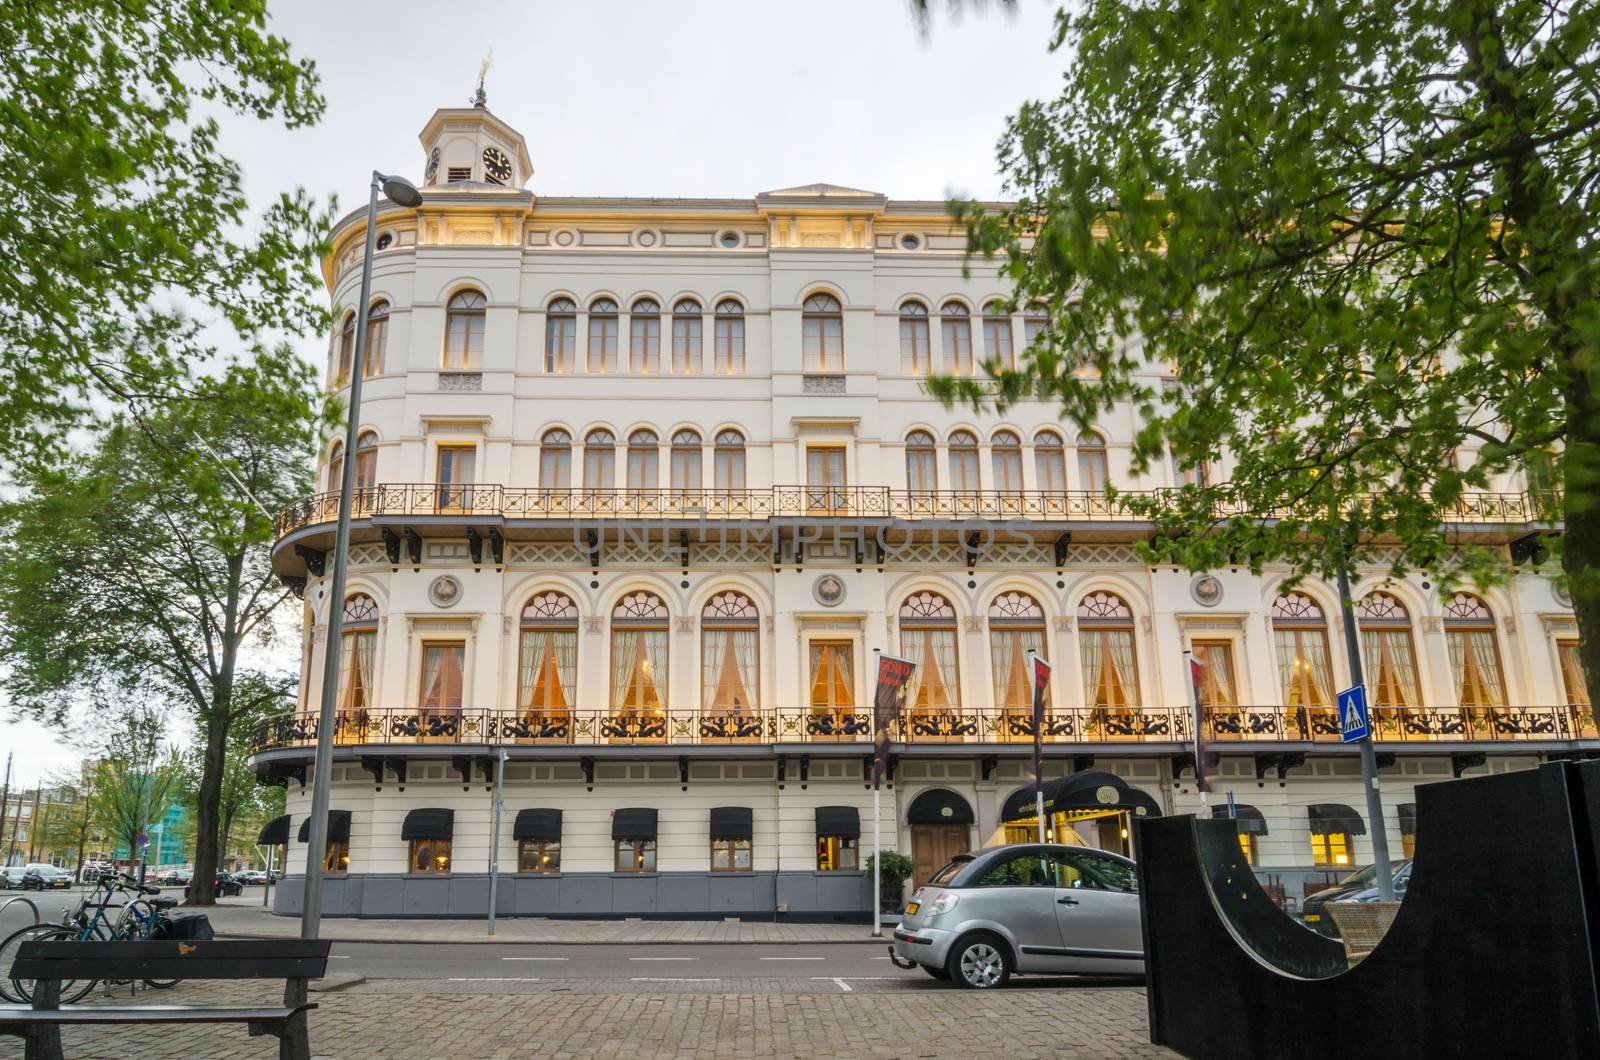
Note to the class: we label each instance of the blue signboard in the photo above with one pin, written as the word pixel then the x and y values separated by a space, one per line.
pixel 1353 722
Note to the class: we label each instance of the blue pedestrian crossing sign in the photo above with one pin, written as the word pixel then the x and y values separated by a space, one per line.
pixel 1353 724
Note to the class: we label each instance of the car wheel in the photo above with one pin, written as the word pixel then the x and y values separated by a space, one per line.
pixel 937 973
pixel 979 962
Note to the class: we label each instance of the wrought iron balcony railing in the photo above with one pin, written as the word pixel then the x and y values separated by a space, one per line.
pixel 779 502
pixel 1224 725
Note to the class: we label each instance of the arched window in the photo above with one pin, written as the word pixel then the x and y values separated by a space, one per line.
pixel 1050 465
pixel 366 468
pixel 336 466
pixel 822 333
pixel 561 336
pixel 377 339
pixel 1474 653
pixel 644 339
pixel 928 638
pixel 687 343
pixel 1093 473
pixel 728 462
pixel 685 469
pixel 997 336
pixel 916 353
pixel 555 462
pixel 599 461
pixel 639 660
pixel 964 463
pixel 463 330
pixel 346 345
pixel 547 667
pixel 1386 651
pixel 644 459
pixel 1016 627
pixel 1034 320
pixel 603 336
pixel 729 338
pixel 1300 634
pixel 729 656
pixel 922 473
pixel 358 643
pixel 1006 451
pixel 955 329
pixel 1106 650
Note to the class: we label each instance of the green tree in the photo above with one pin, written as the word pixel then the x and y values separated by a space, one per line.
pixel 1325 244
pixel 241 799
pixel 135 776
pixel 69 822
pixel 119 200
pixel 144 562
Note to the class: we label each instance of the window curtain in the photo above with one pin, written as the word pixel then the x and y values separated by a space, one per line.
pixel 1303 667
pixel 1092 650
pixel 1572 673
pixel 1218 683
pixel 655 649
pixel 1476 664
pixel 1008 651
pixel 366 647
pixel 832 685
pixel 745 654
pixel 1389 653
pixel 441 677
pixel 934 652
pixel 1121 642
pixel 549 670
pixel 728 670
pixel 625 646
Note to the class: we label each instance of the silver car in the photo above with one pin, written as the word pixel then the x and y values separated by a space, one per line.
pixel 1031 909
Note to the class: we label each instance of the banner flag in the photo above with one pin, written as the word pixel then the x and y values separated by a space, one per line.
pixel 1039 671
pixel 1197 678
pixel 888 702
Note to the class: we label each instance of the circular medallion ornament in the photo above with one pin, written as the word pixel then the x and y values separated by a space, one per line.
pixel 445 591
pixel 1206 590
pixel 1562 595
pixel 828 590
pixel 946 811
pixel 1106 794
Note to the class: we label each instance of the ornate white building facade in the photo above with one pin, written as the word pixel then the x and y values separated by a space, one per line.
pixel 643 485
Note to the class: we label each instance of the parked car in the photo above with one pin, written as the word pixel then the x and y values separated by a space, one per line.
pixel 92 873
pixel 251 877
pixel 173 877
pixel 1359 886
pixel 1028 909
pixel 11 876
pixel 226 885
pixel 42 877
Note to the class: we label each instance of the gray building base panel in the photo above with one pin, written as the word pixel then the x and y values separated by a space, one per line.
pixel 814 896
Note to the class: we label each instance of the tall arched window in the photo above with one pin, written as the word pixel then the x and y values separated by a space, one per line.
pixel 729 657
pixel 644 460
pixel 1387 652
pixel 639 661
pixel 555 463
pixel 685 469
pixel 1106 650
pixel 599 461
pixel 644 338
pixel 1300 635
pixel 822 333
pixel 603 336
pixel 916 352
pixel 1006 451
pixel 928 638
pixel 1016 627
pixel 1474 653
pixel 922 473
pixel 346 345
pixel 964 479
pixel 1050 465
pixel 358 645
pixel 729 338
pixel 727 460
pixel 464 324
pixel 955 330
pixel 1093 472
pixel 377 339
pixel 366 470
pixel 1034 319
pixel 336 466
pixel 561 336
pixel 687 341
pixel 997 336
pixel 547 667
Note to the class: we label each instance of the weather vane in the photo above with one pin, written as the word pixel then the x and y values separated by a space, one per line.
pixel 480 99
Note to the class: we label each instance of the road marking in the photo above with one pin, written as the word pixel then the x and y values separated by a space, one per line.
pixel 858 978
pixel 663 979
pixel 491 979
pixel 663 958
pixel 794 958
pixel 533 958
pixel 846 987
pixel 338 956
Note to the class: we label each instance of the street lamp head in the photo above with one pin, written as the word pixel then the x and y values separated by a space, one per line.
pixel 402 191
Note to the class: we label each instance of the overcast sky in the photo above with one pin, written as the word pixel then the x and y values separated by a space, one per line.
pixel 695 98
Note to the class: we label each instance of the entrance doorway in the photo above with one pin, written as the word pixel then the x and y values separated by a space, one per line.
pixel 932 847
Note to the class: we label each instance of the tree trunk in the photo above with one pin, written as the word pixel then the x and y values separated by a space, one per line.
pixel 202 889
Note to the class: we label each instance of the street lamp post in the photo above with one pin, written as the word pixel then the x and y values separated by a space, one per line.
pixel 404 193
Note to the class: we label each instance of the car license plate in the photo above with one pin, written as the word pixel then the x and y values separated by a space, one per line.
pixel 911 910
pixel 1312 918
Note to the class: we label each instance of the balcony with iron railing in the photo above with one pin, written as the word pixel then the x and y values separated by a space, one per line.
pixel 1223 725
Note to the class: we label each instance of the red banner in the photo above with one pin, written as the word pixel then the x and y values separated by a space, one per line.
pixel 888 701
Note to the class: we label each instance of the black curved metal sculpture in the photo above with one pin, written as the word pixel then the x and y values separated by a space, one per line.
pixel 1493 952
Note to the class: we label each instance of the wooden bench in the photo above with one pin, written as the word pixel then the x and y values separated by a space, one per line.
pixel 296 961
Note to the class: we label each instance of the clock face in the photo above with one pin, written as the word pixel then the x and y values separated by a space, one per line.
pixel 496 165
pixel 433 165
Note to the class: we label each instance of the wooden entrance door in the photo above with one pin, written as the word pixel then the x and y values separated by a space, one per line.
pixel 932 847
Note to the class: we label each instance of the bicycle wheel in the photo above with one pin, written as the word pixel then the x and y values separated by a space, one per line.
pixel 162 984
pixel 8 954
pixel 72 990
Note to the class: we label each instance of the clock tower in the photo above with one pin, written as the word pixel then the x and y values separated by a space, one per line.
pixel 471 147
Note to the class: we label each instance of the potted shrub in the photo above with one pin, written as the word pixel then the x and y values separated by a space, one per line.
pixel 897 869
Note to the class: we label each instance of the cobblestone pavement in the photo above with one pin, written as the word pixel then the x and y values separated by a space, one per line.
pixel 517 1017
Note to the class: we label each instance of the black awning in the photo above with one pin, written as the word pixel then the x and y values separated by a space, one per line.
pixel 939 806
pixel 1249 818
pixel 839 820
pixel 1097 792
pixel 1408 818
pixel 635 822
pixel 338 827
pixel 1020 805
pixel 1336 817
pixel 429 824
pixel 537 824
pixel 732 822
pixel 275 832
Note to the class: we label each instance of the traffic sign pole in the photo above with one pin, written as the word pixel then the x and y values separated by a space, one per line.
pixel 1369 759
